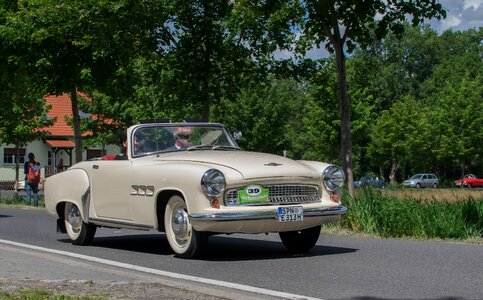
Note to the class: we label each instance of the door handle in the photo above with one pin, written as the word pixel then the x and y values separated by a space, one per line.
pixel 95 167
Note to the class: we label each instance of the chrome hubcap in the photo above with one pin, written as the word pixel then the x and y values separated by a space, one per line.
pixel 179 223
pixel 74 218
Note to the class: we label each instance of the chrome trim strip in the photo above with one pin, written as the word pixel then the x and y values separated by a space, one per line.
pixel 267 215
pixel 119 224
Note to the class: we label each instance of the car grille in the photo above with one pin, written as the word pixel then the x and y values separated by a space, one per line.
pixel 281 194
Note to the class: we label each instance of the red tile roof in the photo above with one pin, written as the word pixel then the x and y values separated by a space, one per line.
pixel 60 143
pixel 61 108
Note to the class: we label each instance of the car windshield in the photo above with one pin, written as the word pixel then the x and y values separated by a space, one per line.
pixel 157 138
pixel 417 176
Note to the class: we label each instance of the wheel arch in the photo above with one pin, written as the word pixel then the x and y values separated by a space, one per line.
pixel 161 201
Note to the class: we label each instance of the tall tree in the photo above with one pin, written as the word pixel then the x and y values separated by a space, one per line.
pixel 340 25
pixel 400 137
pixel 83 45
pixel 23 113
pixel 205 60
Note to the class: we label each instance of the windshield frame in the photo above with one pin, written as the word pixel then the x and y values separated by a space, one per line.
pixel 171 127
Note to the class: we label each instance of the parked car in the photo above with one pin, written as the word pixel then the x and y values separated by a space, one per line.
pixel 367 181
pixel 421 181
pixel 191 180
pixel 470 181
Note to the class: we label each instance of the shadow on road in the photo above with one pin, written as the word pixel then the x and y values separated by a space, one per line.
pixel 219 248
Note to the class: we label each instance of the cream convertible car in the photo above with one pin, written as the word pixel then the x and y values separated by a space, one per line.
pixel 191 180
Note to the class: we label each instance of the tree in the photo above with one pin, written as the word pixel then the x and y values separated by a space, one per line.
pixel 83 45
pixel 340 25
pixel 204 59
pixel 400 137
pixel 266 112
pixel 23 113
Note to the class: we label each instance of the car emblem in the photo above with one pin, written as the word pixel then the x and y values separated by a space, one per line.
pixel 273 164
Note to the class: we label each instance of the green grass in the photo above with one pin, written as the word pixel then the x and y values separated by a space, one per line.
pixel 373 213
pixel 40 294
pixel 21 201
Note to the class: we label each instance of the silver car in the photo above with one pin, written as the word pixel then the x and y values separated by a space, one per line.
pixel 422 180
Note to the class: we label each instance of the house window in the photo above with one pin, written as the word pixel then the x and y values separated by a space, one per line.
pixel 94 153
pixel 10 154
pixel 49 158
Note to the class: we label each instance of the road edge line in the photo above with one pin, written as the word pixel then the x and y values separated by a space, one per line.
pixel 173 275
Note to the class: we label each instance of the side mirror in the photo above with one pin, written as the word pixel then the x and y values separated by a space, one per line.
pixel 237 135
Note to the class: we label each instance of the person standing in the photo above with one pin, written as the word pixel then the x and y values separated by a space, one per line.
pixel 32 179
pixel 60 166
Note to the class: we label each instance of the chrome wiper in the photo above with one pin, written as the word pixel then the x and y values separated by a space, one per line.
pixel 200 147
pixel 224 147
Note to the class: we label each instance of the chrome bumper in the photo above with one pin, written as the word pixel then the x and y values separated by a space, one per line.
pixel 265 215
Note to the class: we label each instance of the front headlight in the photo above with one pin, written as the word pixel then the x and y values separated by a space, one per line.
pixel 213 183
pixel 333 178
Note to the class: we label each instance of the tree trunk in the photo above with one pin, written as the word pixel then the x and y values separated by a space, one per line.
pixel 17 167
pixel 392 175
pixel 76 125
pixel 345 119
pixel 205 89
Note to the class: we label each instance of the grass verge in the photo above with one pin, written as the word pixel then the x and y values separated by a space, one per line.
pixel 387 214
pixel 17 200
pixel 40 294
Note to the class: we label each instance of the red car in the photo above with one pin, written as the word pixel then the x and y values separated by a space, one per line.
pixel 470 181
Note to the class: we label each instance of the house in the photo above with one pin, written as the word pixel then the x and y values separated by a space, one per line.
pixel 56 152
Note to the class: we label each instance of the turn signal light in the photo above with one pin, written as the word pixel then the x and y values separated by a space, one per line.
pixel 334 198
pixel 215 203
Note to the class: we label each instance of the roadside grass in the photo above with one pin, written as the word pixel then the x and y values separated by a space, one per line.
pixel 40 294
pixel 17 200
pixel 432 214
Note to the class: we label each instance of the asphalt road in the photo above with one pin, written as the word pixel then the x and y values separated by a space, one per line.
pixel 337 268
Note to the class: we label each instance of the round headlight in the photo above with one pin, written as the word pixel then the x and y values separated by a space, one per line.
pixel 213 183
pixel 333 178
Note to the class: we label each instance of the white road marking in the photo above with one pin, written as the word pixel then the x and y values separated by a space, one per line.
pixel 212 282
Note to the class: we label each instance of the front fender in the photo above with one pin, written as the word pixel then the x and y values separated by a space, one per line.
pixel 69 186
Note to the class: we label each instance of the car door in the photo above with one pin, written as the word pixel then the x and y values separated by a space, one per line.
pixel 424 180
pixel 110 189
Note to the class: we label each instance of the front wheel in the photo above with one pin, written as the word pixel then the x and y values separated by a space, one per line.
pixel 185 241
pixel 300 241
pixel 79 232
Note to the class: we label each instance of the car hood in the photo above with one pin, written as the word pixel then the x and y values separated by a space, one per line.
pixel 250 164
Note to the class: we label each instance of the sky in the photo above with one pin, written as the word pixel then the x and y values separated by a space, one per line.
pixel 461 15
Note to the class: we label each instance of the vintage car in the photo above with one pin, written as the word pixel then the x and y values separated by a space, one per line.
pixel 191 180
pixel 470 181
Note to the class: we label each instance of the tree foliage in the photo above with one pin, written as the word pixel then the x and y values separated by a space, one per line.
pixel 81 45
pixel 389 95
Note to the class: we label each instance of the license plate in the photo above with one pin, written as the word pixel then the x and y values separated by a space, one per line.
pixel 290 214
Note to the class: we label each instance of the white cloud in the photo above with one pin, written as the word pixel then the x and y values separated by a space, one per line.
pixel 475 4
pixel 450 22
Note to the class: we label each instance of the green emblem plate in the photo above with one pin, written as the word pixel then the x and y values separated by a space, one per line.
pixel 253 194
